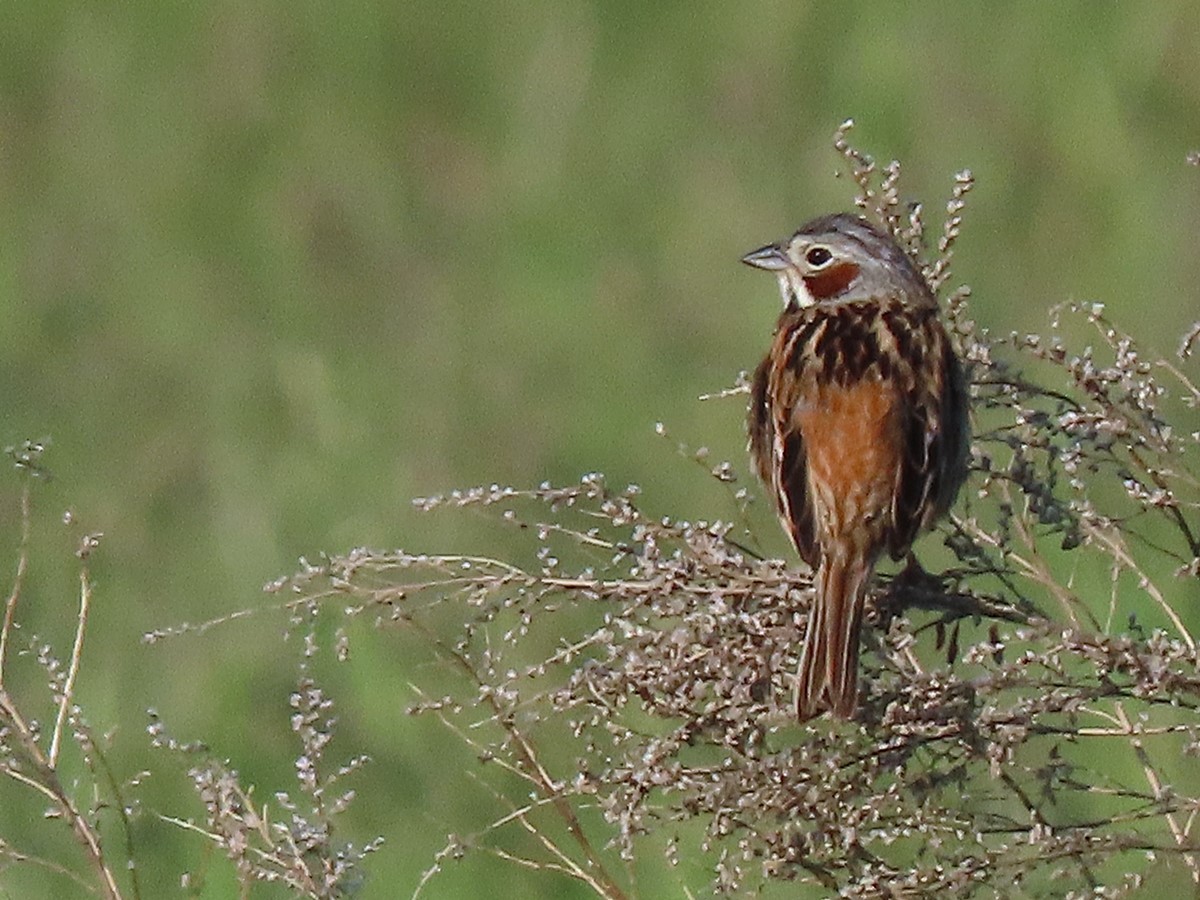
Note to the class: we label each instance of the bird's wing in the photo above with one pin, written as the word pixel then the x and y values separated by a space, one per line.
pixel 934 431
pixel 777 445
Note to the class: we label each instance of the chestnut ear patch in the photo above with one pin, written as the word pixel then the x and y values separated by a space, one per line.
pixel 831 281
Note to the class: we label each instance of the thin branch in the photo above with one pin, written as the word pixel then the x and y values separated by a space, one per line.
pixel 68 693
pixel 10 606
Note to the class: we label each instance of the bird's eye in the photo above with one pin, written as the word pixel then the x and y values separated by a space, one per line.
pixel 818 256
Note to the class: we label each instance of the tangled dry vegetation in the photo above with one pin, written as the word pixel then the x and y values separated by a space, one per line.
pixel 1028 714
pixel 1029 710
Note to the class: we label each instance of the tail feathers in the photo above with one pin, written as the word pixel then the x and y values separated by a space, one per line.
pixel 828 677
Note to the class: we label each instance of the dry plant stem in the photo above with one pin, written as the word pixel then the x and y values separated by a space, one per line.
pixel 862 167
pixel 565 866
pixel 64 704
pixel 42 775
pixel 1193 398
pixel 1173 509
pixel 1116 546
pixel 7 852
pixel 532 769
pixel 263 829
pixel 1179 833
pixel 1040 822
pixel 46 783
pixel 1036 569
pixel 957 606
pixel 971 528
pixel 10 607
pixel 939 272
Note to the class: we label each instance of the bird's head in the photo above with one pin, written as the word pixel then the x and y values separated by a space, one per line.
pixel 840 258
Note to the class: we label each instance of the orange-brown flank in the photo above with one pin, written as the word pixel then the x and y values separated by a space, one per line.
pixel 852 443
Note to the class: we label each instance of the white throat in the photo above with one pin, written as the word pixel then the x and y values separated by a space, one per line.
pixel 792 288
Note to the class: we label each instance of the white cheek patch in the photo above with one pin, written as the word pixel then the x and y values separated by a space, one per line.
pixel 792 289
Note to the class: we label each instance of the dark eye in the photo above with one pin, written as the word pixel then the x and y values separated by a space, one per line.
pixel 818 256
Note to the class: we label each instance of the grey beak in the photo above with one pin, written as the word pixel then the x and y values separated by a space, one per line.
pixel 769 257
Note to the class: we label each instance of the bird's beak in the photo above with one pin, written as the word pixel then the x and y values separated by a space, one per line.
pixel 769 257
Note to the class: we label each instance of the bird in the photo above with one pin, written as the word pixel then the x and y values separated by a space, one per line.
pixel 858 424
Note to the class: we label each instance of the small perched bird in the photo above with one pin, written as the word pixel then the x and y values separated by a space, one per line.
pixel 858 425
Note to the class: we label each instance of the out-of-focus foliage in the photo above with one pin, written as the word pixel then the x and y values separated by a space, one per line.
pixel 268 270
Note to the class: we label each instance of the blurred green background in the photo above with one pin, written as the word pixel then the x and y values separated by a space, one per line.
pixel 268 270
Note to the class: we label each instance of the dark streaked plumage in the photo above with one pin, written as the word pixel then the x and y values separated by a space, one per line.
pixel 858 425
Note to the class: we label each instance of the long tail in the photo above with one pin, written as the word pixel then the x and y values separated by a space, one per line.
pixel 828 677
